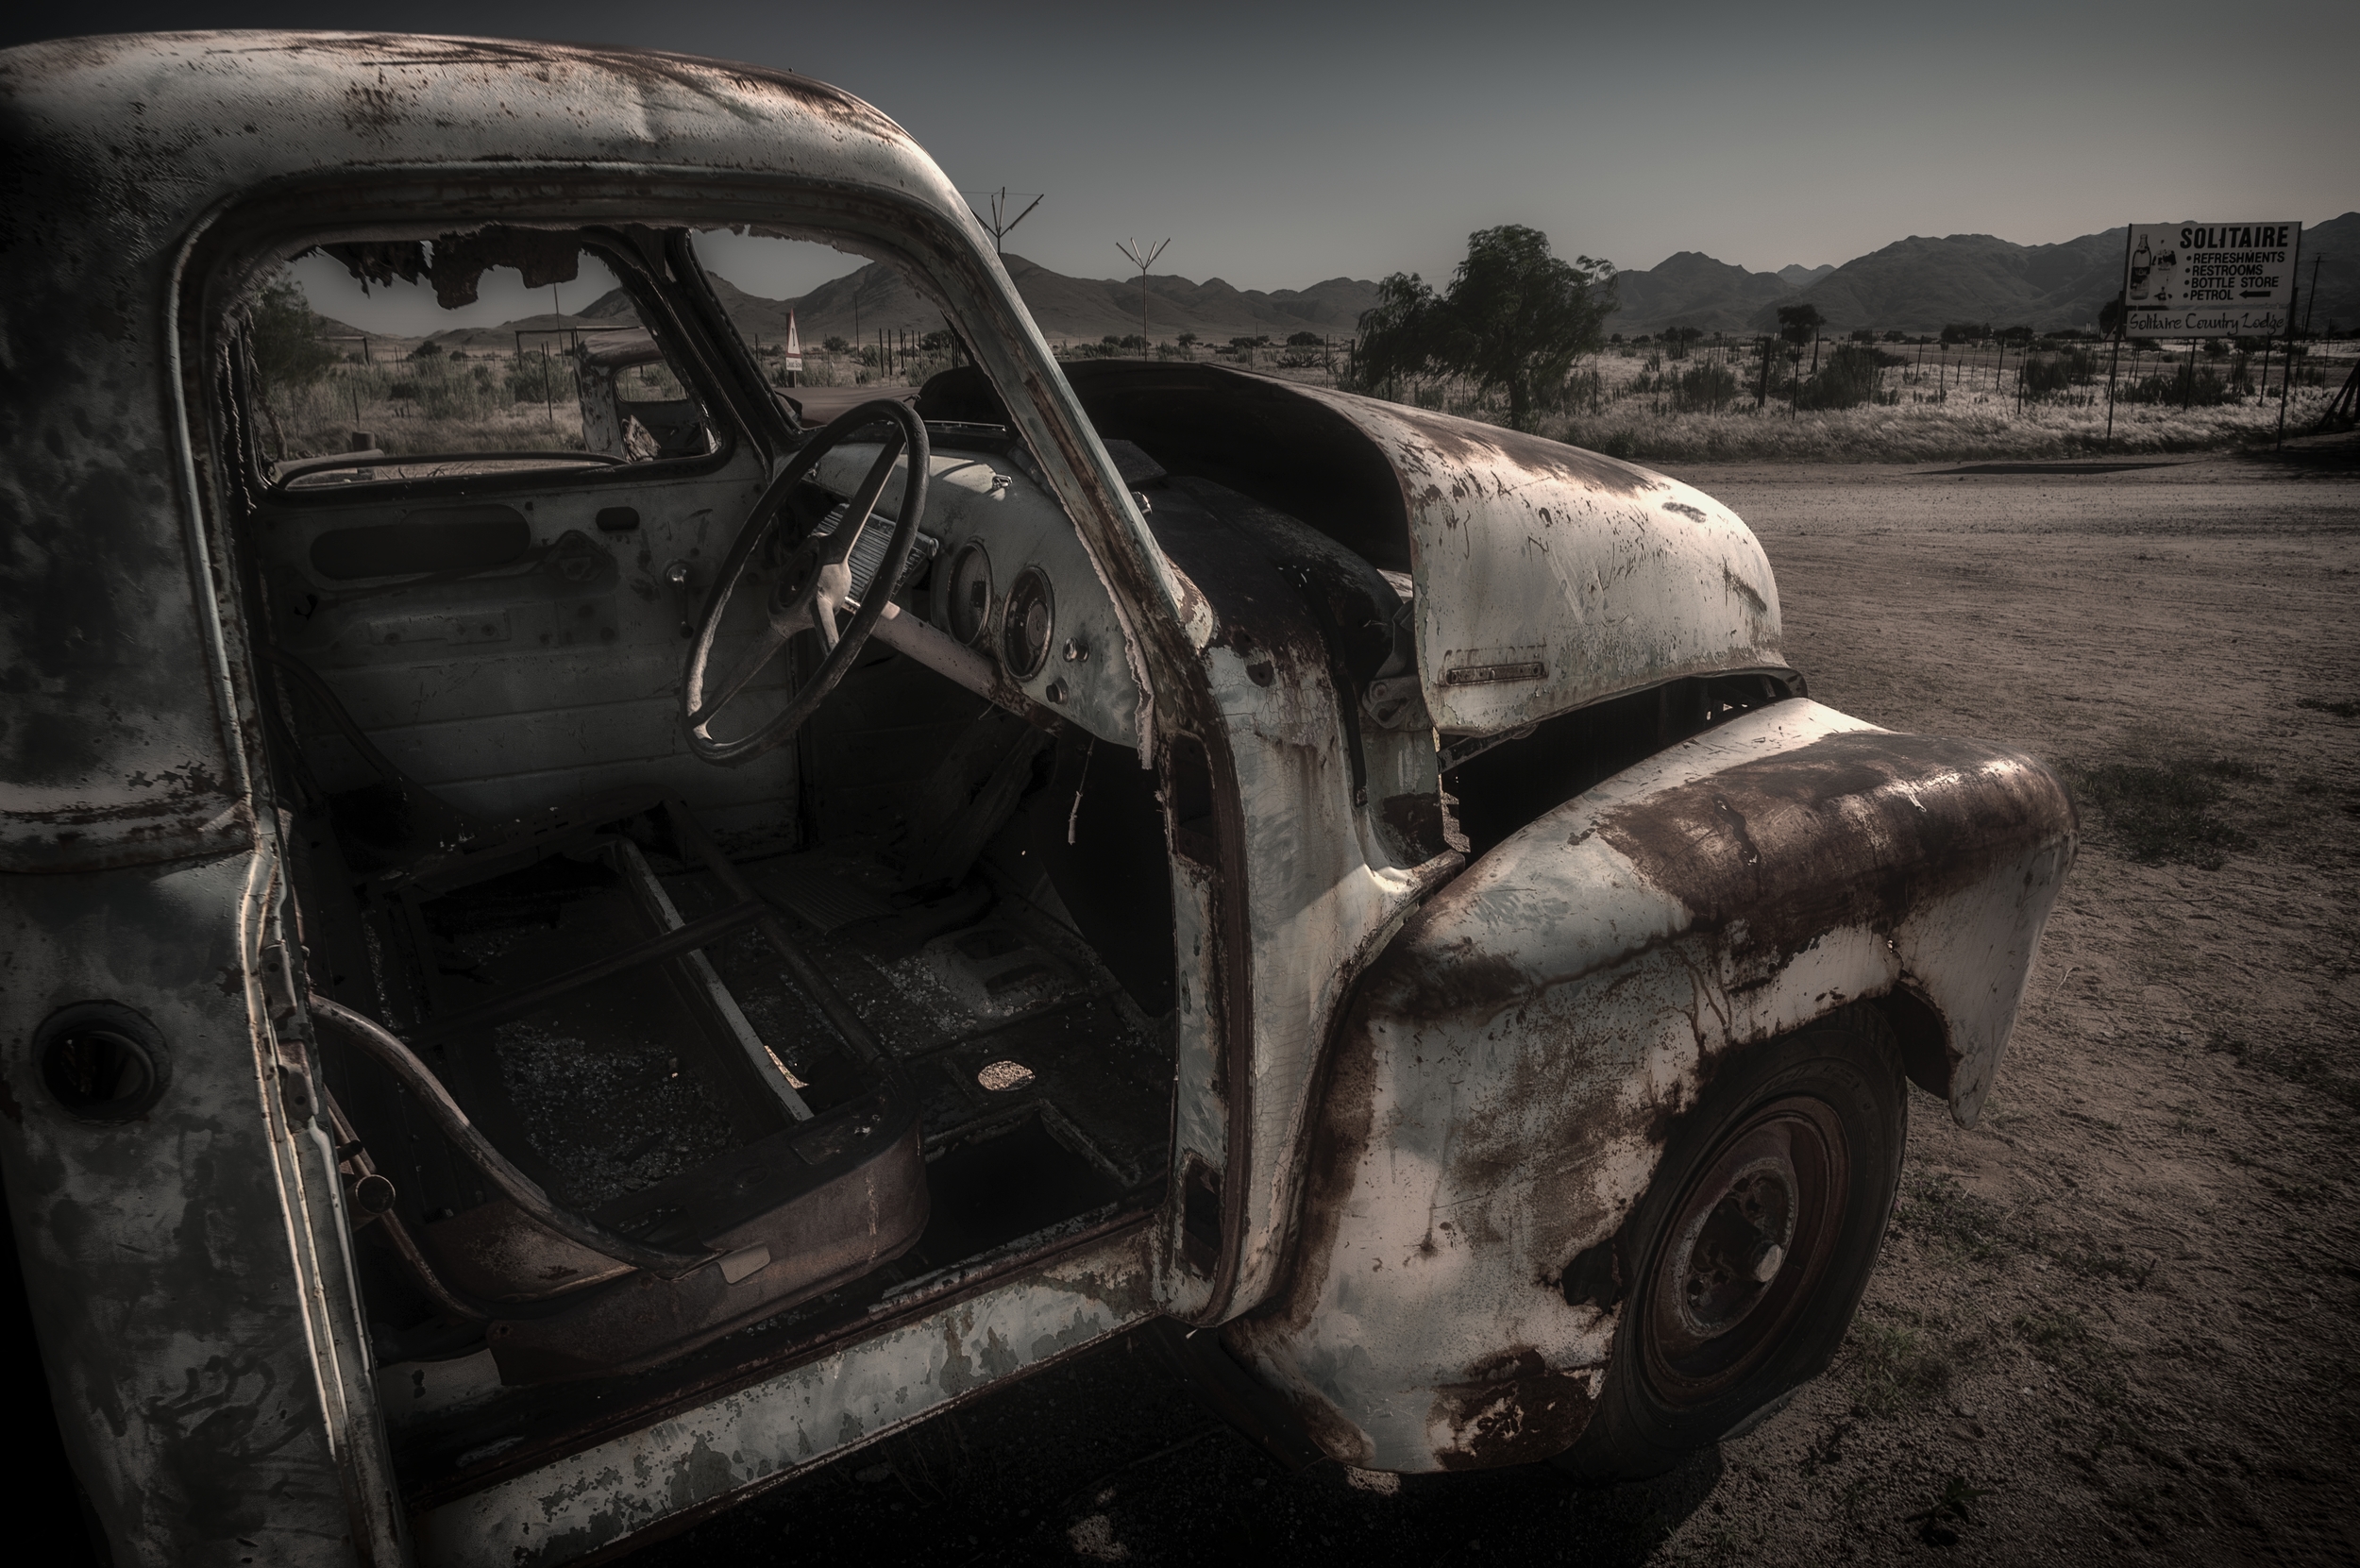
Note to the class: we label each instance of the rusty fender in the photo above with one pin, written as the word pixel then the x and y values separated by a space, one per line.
pixel 1505 1077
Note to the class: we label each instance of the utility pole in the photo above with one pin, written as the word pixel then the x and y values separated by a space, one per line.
pixel 1131 248
pixel 999 223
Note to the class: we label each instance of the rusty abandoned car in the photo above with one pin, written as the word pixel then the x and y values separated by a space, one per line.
pixel 549 988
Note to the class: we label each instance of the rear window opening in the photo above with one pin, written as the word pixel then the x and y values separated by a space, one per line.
pixel 503 350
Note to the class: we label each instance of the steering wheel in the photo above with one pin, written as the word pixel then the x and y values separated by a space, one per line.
pixel 814 585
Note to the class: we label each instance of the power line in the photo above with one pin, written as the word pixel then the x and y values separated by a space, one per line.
pixel 999 223
pixel 1131 248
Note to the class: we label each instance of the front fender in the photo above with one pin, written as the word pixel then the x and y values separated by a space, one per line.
pixel 1504 1082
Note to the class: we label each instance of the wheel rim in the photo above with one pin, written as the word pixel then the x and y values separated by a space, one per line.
pixel 1746 1249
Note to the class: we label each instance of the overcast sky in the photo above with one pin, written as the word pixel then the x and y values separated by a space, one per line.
pixel 1278 145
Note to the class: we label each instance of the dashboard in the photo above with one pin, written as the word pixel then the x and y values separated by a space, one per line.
pixel 1012 581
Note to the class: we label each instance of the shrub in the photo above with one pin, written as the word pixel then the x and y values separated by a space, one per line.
pixel 289 351
pixel 2194 387
pixel 1704 389
pixel 1304 340
pixel 1848 379
pixel 539 379
pixel 2073 367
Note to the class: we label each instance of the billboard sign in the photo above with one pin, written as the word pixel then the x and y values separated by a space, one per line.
pixel 2210 280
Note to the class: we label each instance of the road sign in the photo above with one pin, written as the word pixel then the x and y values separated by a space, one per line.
pixel 2210 279
pixel 793 344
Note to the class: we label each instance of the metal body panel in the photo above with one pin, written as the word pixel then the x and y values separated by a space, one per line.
pixel 186 1269
pixel 693 1462
pixel 1502 1086
pixel 1305 871
pixel 1549 576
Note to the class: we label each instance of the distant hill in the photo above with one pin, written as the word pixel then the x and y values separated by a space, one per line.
pixel 1914 285
pixel 1691 289
pixel 1917 284
pixel 876 298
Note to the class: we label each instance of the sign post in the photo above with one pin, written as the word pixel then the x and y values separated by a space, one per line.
pixel 2210 280
pixel 791 361
pixel 2206 280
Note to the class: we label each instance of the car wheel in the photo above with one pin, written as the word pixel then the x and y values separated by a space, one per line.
pixel 1745 1261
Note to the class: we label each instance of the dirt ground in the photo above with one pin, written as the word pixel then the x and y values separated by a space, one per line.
pixel 2117 1321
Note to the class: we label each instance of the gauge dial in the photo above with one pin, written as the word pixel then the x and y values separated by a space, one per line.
pixel 969 607
pixel 1027 624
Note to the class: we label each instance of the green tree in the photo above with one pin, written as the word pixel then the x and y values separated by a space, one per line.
pixel 1517 316
pixel 1302 339
pixel 1394 332
pixel 1799 324
pixel 1515 319
pixel 289 350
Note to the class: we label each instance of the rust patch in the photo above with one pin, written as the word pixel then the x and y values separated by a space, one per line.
pixel 1516 1410
pixel 1426 976
pixel 1852 829
pixel 1339 1143
pixel 1414 823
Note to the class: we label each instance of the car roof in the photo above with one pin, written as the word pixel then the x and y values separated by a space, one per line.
pixel 199 113
pixel 121 152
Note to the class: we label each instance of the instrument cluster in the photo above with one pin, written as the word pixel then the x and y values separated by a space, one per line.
pixel 1013 581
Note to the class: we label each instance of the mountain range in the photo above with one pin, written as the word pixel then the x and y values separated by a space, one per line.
pixel 1914 285
pixel 877 297
pixel 1918 284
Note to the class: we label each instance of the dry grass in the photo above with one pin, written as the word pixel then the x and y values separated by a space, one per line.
pixel 413 407
pixel 1954 408
pixel 1956 429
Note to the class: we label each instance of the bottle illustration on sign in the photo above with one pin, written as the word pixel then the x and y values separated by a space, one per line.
pixel 2167 278
pixel 2142 265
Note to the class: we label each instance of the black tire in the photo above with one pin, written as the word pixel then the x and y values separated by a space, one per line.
pixel 1789 1165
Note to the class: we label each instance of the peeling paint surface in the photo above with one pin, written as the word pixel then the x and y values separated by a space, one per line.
pixel 208 1387
pixel 1506 1080
pixel 1549 577
pixel 813 1414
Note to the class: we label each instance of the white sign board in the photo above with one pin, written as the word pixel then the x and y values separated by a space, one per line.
pixel 2210 279
pixel 794 357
